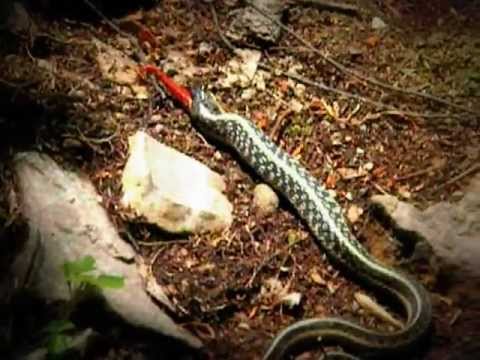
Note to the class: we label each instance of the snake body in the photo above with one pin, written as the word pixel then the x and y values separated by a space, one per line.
pixel 324 217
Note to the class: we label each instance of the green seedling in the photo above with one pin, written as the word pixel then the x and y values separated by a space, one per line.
pixel 80 278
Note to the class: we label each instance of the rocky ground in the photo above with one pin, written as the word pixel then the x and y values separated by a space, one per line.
pixel 56 97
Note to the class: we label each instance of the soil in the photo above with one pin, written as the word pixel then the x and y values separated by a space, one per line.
pixel 228 286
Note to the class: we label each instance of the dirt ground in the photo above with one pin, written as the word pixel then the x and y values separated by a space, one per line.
pixel 54 98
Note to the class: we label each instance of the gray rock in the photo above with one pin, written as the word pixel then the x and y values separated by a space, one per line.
pixel 66 222
pixel 247 23
pixel 173 191
pixel 452 230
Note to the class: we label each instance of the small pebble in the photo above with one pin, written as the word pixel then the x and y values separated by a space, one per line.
pixel 265 199
pixel 368 166
pixel 378 24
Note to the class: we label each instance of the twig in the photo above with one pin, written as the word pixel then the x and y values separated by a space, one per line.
pixel 20 85
pixel 355 73
pixel 455 317
pixel 227 42
pixel 260 267
pixel 162 243
pixel 98 140
pixel 460 176
pixel 380 188
pixel 278 123
pixel 391 110
pixel 419 172
pixel 415 174
pixel 349 8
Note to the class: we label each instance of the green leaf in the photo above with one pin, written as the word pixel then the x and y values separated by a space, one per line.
pixel 101 281
pixel 292 238
pixel 85 279
pixel 110 281
pixel 58 344
pixel 59 326
pixel 73 269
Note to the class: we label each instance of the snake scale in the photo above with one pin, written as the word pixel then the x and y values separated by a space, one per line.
pixel 325 219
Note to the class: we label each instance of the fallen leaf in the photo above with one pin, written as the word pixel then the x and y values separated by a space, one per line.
pixel 354 212
pixel 373 41
pixel 379 171
pixel 248 93
pixel 349 173
pixel 260 119
pixel 331 181
pixel 331 110
pixel 291 300
pixel 296 105
pixel 205 267
pixel 332 288
pixel 316 106
pixel 293 238
pixel 115 66
pixel 297 150
pixel 440 162
pixel 282 85
pixel 317 278
pixel 404 192
pixel 354 51
pixel 336 138
pixel 373 307
pixel 243 326
pixel 134 16
pixel 146 36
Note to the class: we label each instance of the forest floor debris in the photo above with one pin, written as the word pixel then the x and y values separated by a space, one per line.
pixel 231 285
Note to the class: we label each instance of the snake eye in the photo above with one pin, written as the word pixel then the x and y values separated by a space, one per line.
pixel 197 94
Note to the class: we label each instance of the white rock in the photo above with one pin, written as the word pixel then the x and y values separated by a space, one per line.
pixel 265 200
pixel 66 223
pixel 172 190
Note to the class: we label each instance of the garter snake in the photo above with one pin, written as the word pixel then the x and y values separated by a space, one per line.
pixel 324 217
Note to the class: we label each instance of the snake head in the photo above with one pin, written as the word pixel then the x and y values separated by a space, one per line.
pixel 203 103
pixel 206 113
